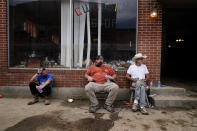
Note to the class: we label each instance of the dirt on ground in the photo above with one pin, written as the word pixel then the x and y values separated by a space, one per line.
pixel 16 115
pixel 52 121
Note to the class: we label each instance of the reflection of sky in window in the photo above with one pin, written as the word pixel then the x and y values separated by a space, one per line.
pixel 15 2
pixel 126 11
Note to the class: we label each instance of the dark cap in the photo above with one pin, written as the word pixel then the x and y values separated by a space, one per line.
pixel 99 57
pixel 42 68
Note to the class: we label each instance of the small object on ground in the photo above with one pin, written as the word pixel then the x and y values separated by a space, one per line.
pixel 1 96
pixel 151 106
pixel 163 85
pixel 47 102
pixel 152 95
pixel 128 104
pixel 70 100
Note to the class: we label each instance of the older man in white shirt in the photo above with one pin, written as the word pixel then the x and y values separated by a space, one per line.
pixel 139 75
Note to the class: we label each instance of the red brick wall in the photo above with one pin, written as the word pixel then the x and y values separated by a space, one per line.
pixel 149 43
pixel 150 36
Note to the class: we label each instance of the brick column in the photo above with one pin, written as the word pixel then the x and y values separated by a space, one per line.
pixel 3 36
pixel 150 36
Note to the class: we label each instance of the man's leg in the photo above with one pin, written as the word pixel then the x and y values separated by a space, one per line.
pixel 46 93
pixel 34 92
pixel 143 94
pixel 90 90
pixel 112 88
pixel 140 94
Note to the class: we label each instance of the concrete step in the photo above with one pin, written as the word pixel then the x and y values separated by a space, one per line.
pixel 174 91
pixel 165 101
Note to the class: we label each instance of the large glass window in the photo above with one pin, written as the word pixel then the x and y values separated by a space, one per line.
pixel 71 33
pixel 35 33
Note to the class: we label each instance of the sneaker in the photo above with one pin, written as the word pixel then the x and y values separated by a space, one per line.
pixel 108 108
pixel 93 109
pixel 47 102
pixel 35 100
pixel 135 107
pixel 144 111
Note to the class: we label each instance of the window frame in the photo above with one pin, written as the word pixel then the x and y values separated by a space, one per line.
pixel 71 10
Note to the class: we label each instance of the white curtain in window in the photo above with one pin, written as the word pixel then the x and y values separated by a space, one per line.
pixel 76 34
pixel 79 34
pixel 99 27
pixel 89 39
pixel 66 33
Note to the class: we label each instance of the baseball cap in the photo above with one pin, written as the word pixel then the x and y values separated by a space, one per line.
pixel 99 57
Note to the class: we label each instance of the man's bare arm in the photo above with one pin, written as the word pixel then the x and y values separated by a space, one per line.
pixel 45 84
pixel 130 78
pixel 113 77
pixel 89 78
pixel 34 78
pixel 147 78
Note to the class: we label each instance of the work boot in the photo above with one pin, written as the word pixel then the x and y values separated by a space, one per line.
pixel 47 101
pixel 108 108
pixel 35 100
pixel 93 109
pixel 134 107
pixel 143 111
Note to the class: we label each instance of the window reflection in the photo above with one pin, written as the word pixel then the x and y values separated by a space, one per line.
pixel 34 33
pixel 49 33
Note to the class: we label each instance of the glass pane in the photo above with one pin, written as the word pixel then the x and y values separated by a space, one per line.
pixel 35 33
pixel 111 32
pixel 49 33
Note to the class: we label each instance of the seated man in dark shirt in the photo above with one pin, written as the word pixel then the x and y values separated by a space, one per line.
pixel 41 85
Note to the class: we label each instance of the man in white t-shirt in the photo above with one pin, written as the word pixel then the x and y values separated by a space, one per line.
pixel 139 75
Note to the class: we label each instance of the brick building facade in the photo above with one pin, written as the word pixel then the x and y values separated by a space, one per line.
pixel 149 36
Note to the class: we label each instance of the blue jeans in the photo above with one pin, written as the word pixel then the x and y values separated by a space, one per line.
pixel 140 92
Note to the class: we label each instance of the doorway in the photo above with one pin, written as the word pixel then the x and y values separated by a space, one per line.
pixel 179 62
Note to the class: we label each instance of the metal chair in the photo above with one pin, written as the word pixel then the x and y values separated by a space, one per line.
pixel 132 97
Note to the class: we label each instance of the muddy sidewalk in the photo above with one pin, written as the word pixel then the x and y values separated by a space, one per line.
pixel 15 115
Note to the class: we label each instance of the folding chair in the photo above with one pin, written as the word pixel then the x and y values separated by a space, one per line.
pixel 132 97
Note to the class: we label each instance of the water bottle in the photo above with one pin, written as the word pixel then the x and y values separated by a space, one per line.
pixel 107 78
pixel 159 84
pixel 40 91
pixel 78 65
pixel 151 84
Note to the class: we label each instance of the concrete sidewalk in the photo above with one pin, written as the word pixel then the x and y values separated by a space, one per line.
pixel 16 115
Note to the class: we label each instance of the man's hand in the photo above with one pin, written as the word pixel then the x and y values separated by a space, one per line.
pixel 39 88
pixel 144 80
pixel 110 77
pixel 90 78
pixel 134 79
pixel 39 71
pixel 147 88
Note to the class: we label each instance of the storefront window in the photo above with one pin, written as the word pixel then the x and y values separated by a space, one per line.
pixel 71 33
pixel 35 33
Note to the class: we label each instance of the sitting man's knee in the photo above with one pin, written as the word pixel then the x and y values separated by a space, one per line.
pixel 88 87
pixel 115 87
pixel 143 88
pixel 31 84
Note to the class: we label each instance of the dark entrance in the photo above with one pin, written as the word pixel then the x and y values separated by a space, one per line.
pixel 179 52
